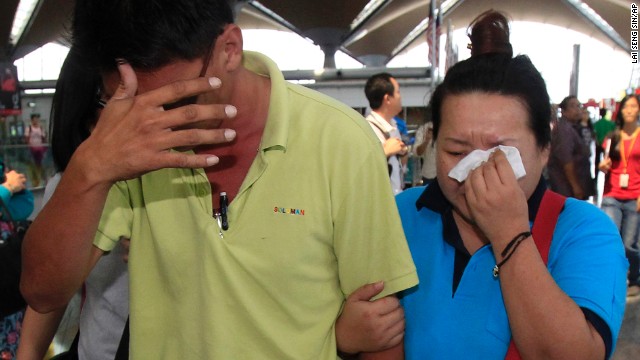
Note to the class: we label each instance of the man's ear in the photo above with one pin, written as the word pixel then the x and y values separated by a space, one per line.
pixel 230 41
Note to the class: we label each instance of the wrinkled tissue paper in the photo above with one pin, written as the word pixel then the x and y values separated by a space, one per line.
pixel 477 157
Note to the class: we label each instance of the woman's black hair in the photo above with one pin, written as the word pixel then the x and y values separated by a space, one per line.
pixel 615 135
pixel 74 108
pixel 497 72
pixel 623 102
pixel 503 75
pixel 489 33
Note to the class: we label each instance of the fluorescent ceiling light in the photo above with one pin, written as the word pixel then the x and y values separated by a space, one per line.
pixel 23 14
pixel 592 16
pixel 369 9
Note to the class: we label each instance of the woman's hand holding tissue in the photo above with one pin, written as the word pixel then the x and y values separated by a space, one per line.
pixel 497 204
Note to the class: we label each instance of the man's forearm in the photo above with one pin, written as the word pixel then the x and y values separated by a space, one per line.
pixel 58 251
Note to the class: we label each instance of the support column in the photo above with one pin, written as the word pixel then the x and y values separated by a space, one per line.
pixel 329 40
pixel 575 71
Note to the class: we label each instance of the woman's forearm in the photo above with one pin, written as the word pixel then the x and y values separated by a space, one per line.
pixel 37 333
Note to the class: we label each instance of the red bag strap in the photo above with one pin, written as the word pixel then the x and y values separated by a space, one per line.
pixel 543 228
pixel 545 223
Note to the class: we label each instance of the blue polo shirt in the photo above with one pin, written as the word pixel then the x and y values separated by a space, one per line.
pixel 457 310
pixel 19 204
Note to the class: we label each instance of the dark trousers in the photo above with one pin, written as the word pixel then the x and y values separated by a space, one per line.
pixel 599 154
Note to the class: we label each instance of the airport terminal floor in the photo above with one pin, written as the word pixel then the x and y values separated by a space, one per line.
pixel 628 346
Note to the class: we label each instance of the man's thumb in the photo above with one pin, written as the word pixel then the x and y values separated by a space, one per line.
pixel 128 81
pixel 366 292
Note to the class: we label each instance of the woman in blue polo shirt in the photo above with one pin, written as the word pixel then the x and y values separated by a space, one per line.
pixel 483 281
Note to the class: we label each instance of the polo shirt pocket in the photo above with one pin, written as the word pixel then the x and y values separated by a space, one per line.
pixel 497 320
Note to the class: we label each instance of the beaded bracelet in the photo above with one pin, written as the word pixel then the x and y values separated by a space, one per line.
pixel 512 244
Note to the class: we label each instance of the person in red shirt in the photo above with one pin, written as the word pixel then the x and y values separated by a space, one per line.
pixel 621 197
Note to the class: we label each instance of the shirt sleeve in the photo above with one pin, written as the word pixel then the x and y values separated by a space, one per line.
pixel 19 204
pixel 588 262
pixel 117 218
pixel 51 186
pixel 369 241
pixel 5 195
pixel 419 138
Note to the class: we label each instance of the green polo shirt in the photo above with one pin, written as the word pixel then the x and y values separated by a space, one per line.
pixel 314 220
pixel 603 127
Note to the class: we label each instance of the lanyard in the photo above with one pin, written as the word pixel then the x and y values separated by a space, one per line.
pixel 625 158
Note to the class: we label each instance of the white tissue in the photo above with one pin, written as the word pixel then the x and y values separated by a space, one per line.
pixel 477 157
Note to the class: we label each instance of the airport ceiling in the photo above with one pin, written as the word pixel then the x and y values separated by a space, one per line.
pixel 374 37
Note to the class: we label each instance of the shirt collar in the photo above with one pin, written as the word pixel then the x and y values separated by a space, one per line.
pixel 380 121
pixel 433 199
pixel 276 130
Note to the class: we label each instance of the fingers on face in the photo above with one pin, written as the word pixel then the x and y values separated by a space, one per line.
pixel 491 170
pixel 496 169
pixel 478 180
pixel 180 89
pixel 476 177
pixel 503 167
pixel 128 85
pixel 196 113
pixel 470 185
pixel 190 138
pixel 186 160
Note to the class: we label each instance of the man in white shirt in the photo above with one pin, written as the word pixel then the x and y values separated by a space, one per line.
pixel 383 93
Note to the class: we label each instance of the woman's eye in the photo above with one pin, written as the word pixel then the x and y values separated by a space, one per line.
pixel 456 153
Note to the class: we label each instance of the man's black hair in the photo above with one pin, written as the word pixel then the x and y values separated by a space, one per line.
pixel 147 33
pixel 377 87
pixel 565 102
